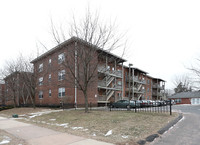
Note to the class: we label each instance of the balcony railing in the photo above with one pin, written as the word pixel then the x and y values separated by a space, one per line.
pixel 157 93
pixel 103 69
pixel 158 86
pixel 136 90
pixel 136 79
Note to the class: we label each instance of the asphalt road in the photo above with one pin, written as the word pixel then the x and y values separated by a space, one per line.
pixel 186 131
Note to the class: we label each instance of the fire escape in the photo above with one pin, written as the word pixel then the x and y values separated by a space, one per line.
pixel 108 83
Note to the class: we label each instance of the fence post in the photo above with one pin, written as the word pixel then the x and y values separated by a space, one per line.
pixel 135 107
pixel 170 106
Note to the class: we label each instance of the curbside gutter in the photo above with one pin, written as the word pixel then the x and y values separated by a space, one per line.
pixel 151 138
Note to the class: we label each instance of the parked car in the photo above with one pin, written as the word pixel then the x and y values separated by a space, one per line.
pixel 125 104
pixel 155 103
pixel 146 103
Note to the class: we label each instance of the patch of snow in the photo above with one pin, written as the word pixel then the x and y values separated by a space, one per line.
pixel 52 119
pixel 94 134
pixel 108 133
pixel 4 141
pixel 43 122
pixel 65 125
pixel 75 128
pixel 124 136
pixel 85 129
pixel 32 115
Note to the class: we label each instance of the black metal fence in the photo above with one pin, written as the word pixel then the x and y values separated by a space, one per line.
pixel 156 107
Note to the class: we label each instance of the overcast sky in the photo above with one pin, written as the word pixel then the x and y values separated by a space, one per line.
pixel 163 35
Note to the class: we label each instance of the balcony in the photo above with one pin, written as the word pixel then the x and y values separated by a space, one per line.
pixel 157 94
pixel 102 84
pixel 155 86
pixel 136 79
pixel 116 73
pixel 135 90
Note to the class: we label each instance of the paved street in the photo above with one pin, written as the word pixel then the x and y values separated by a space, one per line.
pixel 187 131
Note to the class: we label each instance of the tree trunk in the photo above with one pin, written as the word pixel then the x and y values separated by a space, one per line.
pixel 86 102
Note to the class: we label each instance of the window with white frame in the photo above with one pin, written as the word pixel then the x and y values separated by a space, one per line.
pixel 40 94
pixel 61 92
pixel 49 77
pixel 50 61
pixel 40 81
pixel 49 92
pixel 178 100
pixel 61 58
pixel 61 75
pixel 119 83
pixel 40 67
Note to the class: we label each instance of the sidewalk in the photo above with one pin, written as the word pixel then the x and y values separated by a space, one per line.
pixel 35 135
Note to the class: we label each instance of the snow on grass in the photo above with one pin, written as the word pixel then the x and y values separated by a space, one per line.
pixel 108 133
pixel 32 115
pixel 124 136
pixel 94 134
pixel 76 128
pixel 52 119
pixel 5 140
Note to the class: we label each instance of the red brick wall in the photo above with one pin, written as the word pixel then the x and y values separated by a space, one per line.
pixel 148 88
pixel 54 84
pixel 184 101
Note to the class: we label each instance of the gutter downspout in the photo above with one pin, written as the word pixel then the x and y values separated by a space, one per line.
pixel 75 71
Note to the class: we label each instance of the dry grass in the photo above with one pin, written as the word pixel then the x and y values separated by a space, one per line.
pixel 126 126
pixel 20 111
pixel 12 139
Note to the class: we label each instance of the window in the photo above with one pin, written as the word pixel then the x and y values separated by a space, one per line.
pixel 148 81
pixel 61 58
pixel 40 94
pixel 61 92
pixel 49 93
pixel 40 81
pixel 61 75
pixel 119 83
pixel 50 61
pixel 49 77
pixel 178 100
pixel 40 68
pixel 147 89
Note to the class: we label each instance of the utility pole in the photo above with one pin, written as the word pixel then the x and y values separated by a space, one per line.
pixel 129 79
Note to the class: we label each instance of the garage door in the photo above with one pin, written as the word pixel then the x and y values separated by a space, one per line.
pixel 195 101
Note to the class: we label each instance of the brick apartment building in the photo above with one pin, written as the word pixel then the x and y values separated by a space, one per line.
pixel 111 79
pixel 54 81
pixel 158 89
pixel 15 90
pixel 2 94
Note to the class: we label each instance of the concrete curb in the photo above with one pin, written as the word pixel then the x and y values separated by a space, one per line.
pixel 170 124
pixel 151 138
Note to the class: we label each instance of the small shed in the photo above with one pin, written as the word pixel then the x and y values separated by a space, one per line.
pixel 187 98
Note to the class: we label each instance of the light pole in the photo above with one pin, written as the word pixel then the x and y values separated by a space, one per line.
pixel 129 77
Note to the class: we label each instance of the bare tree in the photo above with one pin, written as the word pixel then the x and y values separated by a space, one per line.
pixel 195 69
pixel 93 38
pixel 182 83
pixel 19 81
